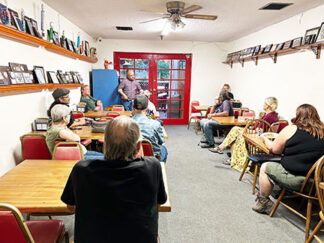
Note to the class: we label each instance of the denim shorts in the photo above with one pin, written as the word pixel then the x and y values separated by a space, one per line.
pixel 278 175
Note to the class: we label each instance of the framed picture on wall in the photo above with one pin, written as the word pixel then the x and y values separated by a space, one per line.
pixel 310 36
pixel 35 28
pixel 267 48
pixel 320 35
pixel 279 46
pixel 256 50
pixel 286 45
pixel 19 23
pixel 296 42
pixel 28 77
pixel 13 14
pixel 12 77
pixel 86 48
pixel 29 26
pixel 39 74
pixel 61 77
pixel 52 78
pixel 19 78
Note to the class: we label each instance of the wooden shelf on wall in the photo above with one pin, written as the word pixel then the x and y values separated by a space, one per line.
pixel 316 48
pixel 34 87
pixel 22 37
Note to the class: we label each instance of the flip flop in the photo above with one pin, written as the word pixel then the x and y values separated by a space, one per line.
pixel 216 150
pixel 227 162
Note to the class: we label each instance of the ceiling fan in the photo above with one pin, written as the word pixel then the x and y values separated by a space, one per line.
pixel 176 10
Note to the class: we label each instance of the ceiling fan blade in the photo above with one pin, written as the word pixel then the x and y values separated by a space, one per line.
pixel 151 20
pixel 200 16
pixel 191 9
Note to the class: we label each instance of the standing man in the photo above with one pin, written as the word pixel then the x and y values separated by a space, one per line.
pixel 116 199
pixel 128 89
pixel 150 129
pixel 62 97
pixel 92 104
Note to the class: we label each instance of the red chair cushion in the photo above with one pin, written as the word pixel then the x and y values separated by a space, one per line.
pixel 35 148
pixel 147 150
pixel 193 110
pixel 77 115
pixel 117 109
pixel 282 125
pixel 101 141
pixel 45 230
pixel 67 153
pixel 86 142
pixel 9 228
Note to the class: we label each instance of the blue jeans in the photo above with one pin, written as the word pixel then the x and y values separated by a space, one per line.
pixel 128 105
pixel 163 153
pixel 93 155
pixel 209 126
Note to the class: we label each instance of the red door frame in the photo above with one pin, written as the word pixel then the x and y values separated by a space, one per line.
pixel 153 57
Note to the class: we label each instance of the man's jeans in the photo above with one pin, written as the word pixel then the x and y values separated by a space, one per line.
pixel 163 153
pixel 209 126
pixel 89 155
pixel 128 105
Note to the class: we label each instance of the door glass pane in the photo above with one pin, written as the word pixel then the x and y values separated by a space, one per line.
pixel 163 85
pixel 163 94
pixel 126 63
pixel 144 84
pixel 177 84
pixel 178 64
pixel 164 64
pixel 141 74
pixel 141 63
pixel 177 94
pixel 176 114
pixel 162 104
pixel 177 104
pixel 163 74
pixel 178 74
pixel 164 114
pixel 123 73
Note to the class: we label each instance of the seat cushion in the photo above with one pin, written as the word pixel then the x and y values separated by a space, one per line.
pixel 260 158
pixel 45 231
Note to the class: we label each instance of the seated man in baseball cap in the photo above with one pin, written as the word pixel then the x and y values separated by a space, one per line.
pixel 61 96
pixel 150 129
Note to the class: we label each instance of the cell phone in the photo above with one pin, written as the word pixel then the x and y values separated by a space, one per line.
pixel 75 128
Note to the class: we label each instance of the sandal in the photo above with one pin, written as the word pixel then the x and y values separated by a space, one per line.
pixel 216 149
pixel 227 161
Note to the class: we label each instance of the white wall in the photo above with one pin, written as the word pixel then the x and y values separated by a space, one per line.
pixel 295 79
pixel 208 73
pixel 18 110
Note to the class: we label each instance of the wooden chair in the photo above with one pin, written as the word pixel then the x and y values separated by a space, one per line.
pixel 33 146
pixel 252 129
pixel 13 228
pixel 279 125
pixel 68 151
pixel 306 192
pixel 195 115
pixel 319 179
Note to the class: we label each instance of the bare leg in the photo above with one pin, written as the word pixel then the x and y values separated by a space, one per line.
pixel 265 185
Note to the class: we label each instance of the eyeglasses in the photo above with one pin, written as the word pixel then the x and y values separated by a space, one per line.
pixel 66 97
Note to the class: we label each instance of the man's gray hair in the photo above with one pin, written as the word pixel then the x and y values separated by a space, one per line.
pixel 58 112
pixel 121 138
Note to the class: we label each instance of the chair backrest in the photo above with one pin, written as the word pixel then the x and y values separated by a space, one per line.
pixel 113 114
pixel 106 118
pixel 249 113
pixel 278 126
pixel 12 226
pixel 192 104
pixel 254 125
pixel 208 111
pixel 243 109
pixel 67 151
pixel 319 178
pixel 77 114
pixel 33 146
pixel 118 108
pixel 147 148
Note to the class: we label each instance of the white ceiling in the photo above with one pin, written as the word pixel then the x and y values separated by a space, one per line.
pixel 236 18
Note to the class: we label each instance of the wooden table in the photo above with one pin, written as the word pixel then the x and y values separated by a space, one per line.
pixel 256 141
pixel 98 114
pixel 86 133
pixel 201 107
pixel 230 120
pixel 35 186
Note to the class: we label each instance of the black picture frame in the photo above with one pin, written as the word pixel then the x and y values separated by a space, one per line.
pixel 3 14
pixel 19 24
pixel 256 50
pixel 310 35
pixel 4 77
pixel 61 77
pixel 279 46
pixel 287 44
pixel 13 14
pixel 86 48
pixel 17 67
pixel 29 26
pixel 39 74
pixel 69 44
pixel 52 78
pixel 74 47
pixel 35 28
pixel 56 38
pixel 296 42
pixel 320 35
pixel 79 77
pixel 267 48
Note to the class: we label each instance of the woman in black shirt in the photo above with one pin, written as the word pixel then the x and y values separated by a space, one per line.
pixel 301 145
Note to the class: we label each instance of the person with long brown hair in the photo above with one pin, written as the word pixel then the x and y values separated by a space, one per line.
pixel 301 145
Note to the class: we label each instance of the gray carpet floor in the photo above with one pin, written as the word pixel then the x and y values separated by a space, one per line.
pixel 209 204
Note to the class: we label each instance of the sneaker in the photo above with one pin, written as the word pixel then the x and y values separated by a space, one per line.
pixel 203 140
pixel 227 162
pixel 216 149
pixel 207 145
pixel 263 203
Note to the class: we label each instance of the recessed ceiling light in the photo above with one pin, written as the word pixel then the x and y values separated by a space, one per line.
pixel 124 28
pixel 275 6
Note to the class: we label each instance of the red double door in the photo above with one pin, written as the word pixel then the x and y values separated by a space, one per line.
pixel 166 76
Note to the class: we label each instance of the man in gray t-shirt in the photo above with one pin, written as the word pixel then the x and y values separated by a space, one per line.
pixel 223 107
pixel 128 89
